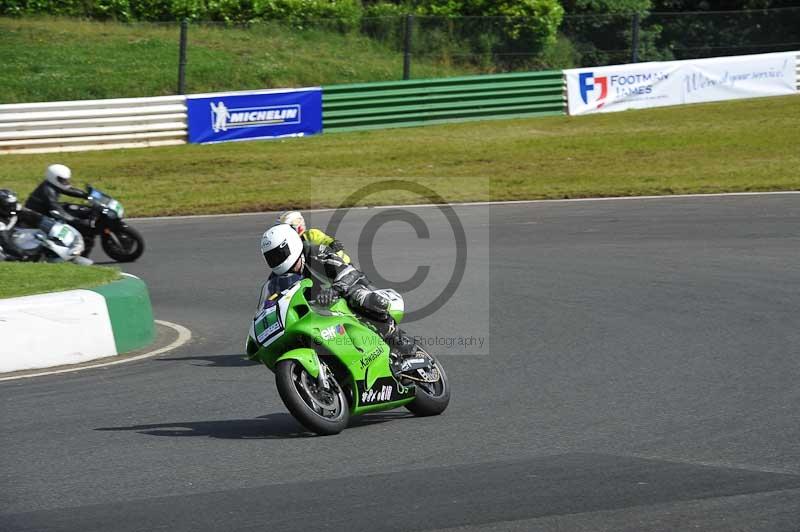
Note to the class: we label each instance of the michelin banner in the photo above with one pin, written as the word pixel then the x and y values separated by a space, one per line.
pixel 267 114
pixel 643 85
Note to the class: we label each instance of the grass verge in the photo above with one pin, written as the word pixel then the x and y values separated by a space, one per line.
pixel 54 59
pixel 748 145
pixel 24 279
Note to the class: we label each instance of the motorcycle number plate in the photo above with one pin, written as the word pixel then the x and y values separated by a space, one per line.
pixel 115 206
pixel 62 233
pixel 267 325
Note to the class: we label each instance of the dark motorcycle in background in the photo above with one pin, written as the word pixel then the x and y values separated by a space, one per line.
pixel 105 215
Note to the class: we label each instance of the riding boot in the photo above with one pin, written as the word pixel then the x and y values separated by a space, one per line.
pixel 399 342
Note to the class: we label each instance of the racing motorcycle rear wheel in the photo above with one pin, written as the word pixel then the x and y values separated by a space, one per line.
pixel 324 412
pixel 123 244
pixel 431 398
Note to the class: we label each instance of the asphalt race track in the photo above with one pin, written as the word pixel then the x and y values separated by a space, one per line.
pixel 640 371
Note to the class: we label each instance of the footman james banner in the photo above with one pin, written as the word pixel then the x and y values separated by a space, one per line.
pixel 642 85
pixel 229 116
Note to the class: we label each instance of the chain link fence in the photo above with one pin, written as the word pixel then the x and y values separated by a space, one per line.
pixel 444 46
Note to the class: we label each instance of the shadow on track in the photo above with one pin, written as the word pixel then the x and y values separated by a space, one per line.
pixel 236 360
pixel 272 426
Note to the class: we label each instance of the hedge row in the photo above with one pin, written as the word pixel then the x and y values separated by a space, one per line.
pixel 543 16
pixel 232 11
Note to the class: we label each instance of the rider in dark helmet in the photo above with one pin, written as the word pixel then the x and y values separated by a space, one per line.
pixel 44 199
pixel 10 212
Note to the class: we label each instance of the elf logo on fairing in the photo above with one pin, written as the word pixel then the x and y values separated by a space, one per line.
pixel 223 119
pixel 329 333
pixel 371 396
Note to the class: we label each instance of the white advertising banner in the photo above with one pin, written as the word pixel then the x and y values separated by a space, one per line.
pixel 643 85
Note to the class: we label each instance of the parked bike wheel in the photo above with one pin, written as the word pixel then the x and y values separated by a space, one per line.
pixel 123 245
pixel 324 412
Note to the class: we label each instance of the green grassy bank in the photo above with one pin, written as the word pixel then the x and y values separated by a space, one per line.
pixel 55 59
pixel 22 279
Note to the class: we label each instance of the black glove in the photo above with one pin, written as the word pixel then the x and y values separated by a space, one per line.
pixel 347 280
pixel 327 296
pixel 336 246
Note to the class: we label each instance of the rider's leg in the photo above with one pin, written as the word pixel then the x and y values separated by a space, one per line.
pixel 375 307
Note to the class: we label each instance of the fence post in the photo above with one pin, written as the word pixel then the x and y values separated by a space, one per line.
pixel 635 38
pixel 182 57
pixel 407 47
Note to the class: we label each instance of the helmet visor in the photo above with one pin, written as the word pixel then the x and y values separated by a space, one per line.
pixel 277 255
pixel 63 181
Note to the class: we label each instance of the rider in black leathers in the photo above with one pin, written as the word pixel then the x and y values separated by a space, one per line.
pixel 44 199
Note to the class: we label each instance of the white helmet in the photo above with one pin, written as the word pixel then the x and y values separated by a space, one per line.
pixel 58 175
pixel 281 247
pixel 295 219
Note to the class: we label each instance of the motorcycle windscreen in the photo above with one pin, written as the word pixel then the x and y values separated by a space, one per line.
pixel 107 201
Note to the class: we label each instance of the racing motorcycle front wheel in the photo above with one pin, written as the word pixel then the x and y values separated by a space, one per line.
pixel 322 411
pixel 432 389
pixel 123 244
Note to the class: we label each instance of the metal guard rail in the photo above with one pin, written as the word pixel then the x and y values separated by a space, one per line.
pixel 92 124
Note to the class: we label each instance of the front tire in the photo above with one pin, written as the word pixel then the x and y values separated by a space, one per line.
pixel 324 412
pixel 88 245
pixel 431 399
pixel 125 245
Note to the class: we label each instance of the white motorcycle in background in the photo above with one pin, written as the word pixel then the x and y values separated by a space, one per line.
pixel 52 241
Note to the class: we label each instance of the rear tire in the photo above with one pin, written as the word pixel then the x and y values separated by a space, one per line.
pixel 431 399
pixel 130 247
pixel 322 412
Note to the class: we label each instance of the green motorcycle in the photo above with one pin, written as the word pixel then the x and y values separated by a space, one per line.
pixel 329 364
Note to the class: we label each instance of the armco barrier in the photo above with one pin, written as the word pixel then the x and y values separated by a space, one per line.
pixel 75 326
pixel 92 124
pixel 419 102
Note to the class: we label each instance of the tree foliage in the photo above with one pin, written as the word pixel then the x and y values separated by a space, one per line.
pixel 602 30
pixel 500 34
pixel 506 33
pixel 232 11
